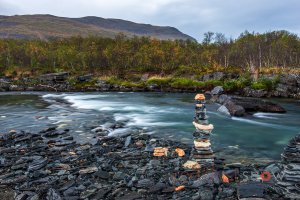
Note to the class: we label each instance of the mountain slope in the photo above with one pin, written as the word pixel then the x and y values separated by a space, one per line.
pixel 48 26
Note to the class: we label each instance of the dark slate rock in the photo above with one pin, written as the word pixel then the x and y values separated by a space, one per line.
pixel 53 195
pixel 251 190
pixel 145 183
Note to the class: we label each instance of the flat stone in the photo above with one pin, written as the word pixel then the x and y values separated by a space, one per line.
pixel 191 165
pixel 251 190
pixel 101 193
pixel 129 196
pixel 53 195
pixel 37 164
pixel 210 178
pixel 145 183
pixel 88 170
pixel 87 193
pixel 119 176
pixel 127 141
pixel 206 194
pixel 157 187
pixel 102 174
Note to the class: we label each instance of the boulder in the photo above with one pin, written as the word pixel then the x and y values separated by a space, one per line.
pixel 222 99
pixel 206 77
pixel 217 90
pixel 234 109
pixel 85 78
pixel 218 75
pixel 288 86
pixel 222 109
pixel 103 84
pixel 213 76
pixel 284 90
pixel 249 92
pixel 257 105
pixel 144 77
pixel 54 78
pixel 153 87
pixel 4 85
pixel 290 79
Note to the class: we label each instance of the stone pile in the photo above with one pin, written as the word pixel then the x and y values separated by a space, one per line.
pixel 202 152
pixel 289 177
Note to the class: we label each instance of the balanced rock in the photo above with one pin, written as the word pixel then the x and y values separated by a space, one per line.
pixel 191 165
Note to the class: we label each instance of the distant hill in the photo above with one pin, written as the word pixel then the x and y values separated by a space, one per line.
pixel 48 26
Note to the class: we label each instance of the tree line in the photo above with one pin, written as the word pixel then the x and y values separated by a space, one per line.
pixel 122 56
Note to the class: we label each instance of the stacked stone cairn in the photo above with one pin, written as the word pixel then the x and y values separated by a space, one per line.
pixel 289 177
pixel 202 152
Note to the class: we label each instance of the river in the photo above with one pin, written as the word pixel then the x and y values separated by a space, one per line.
pixel 262 135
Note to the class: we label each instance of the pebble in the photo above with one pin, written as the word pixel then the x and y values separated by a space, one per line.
pixel 88 170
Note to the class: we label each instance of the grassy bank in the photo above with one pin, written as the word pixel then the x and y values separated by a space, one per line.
pixel 267 84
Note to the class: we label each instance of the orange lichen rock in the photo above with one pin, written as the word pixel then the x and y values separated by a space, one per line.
pixel 179 188
pixel 180 152
pixel 191 165
pixel 200 97
pixel 160 151
pixel 225 178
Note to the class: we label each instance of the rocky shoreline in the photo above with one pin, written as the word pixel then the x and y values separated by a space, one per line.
pixel 288 86
pixel 51 165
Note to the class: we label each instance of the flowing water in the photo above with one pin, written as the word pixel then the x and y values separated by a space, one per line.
pixel 262 135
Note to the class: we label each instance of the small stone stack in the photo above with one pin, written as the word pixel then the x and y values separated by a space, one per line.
pixel 289 177
pixel 202 152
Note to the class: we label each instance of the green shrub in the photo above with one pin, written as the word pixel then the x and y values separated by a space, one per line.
pixel 185 83
pixel 264 84
pixel 212 83
pixel 187 70
pixel 258 86
pixel 231 84
pixel 131 84
pixel 72 80
pixel 113 80
pixel 160 81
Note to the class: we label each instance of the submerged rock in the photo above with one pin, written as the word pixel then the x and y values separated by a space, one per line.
pixel 257 105
pixel 223 109
pixel 234 109
pixel 238 106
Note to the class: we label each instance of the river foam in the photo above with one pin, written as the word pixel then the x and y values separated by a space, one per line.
pixel 170 115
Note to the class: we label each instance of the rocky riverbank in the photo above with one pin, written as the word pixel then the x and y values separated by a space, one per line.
pixel 51 165
pixel 286 86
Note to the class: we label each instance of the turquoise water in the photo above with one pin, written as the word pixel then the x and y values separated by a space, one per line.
pixel 163 114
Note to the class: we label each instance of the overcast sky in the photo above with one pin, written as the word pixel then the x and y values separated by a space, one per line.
pixel 193 17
